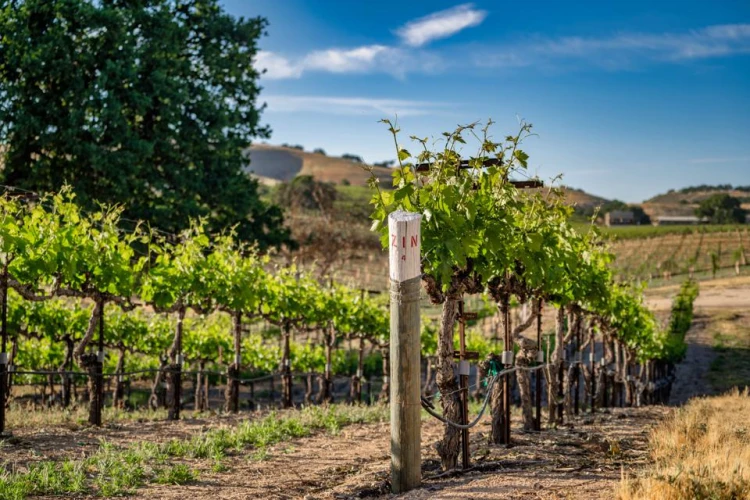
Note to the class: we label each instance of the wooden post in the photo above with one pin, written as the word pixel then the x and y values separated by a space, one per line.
pixel 405 285
pixel 286 370
pixel 463 378
pixel 3 347
pixel 592 364
pixel 508 363
pixel 96 418
pixel 578 360
pixel 540 360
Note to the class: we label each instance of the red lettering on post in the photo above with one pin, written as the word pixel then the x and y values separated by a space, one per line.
pixel 414 241
pixel 403 241
pixel 393 240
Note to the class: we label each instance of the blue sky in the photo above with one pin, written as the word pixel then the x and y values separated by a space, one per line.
pixel 628 98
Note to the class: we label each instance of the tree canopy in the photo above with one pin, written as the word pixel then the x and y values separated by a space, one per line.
pixel 721 209
pixel 146 104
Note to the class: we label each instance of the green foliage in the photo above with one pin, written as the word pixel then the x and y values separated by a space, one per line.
pixel 721 209
pixel 680 320
pixel 176 474
pixel 304 192
pixel 467 214
pixel 148 104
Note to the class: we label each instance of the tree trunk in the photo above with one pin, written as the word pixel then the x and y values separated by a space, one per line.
pixel 286 369
pixel 174 377
pixel 525 357
pixel 232 393
pixel 201 388
pixel 64 368
pixel 328 373
pixel 158 392
pixel 118 396
pixel 385 391
pixel 497 411
pixel 308 388
pixel 626 374
pixel 478 391
pixel 90 363
pixel 553 383
pixel 449 446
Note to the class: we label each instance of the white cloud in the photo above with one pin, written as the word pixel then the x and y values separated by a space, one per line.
pixel 624 49
pixel 365 59
pixel 354 60
pixel 440 24
pixel 615 52
pixel 276 66
pixel 351 105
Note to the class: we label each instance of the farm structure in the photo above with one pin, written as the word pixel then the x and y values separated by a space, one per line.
pixel 678 220
pixel 619 218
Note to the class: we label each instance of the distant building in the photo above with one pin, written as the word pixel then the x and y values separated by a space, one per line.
pixel 678 220
pixel 619 218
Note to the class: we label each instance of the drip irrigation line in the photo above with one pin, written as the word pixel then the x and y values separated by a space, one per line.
pixel 429 407
pixel 243 381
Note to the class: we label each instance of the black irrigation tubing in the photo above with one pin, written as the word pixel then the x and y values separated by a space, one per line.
pixel 167 370
pixel 429 407
pixel 46 372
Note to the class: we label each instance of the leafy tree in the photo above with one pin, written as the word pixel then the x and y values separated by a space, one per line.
pixel 721 209
pixel 319 151
pixel 147 104
pixel 305 192
pixel 351 157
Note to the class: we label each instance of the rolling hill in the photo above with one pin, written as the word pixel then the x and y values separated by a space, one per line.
pixel 273 164
pixel 685 201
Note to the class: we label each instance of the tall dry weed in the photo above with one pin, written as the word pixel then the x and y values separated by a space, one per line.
pixel 701 452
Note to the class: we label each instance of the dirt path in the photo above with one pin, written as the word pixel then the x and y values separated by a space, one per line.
pixel 581 461
pixel 691 377
pixel 726 293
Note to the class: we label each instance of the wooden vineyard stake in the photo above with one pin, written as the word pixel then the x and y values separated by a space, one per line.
pixel 540 360
pixel 592 363
pixel 3 349
pixel 286 370
pixel 463 378
pixel 405 285
pixel 507 360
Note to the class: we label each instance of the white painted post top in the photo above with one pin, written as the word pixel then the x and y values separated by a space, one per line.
pixel 405 244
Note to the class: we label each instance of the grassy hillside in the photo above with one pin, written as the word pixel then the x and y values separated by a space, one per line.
pixel 685 201
pixel 579 197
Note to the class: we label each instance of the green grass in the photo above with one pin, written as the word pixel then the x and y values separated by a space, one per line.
pixel 731 342
pixel 114 470
pixel 19 417
pixel 648 231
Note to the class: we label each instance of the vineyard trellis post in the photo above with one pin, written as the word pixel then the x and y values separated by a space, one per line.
pixel 463 373
pixel 175 371
pixel 286 369
pixel 405 286
pixel 98 404
pixel 507 360
pixel 540 360
pixel 3 349
pixel 592 364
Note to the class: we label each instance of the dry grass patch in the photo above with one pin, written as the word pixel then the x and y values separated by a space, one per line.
pixel 731 342
pixel 701 452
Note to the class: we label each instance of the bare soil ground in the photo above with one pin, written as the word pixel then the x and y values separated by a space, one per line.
pixel 584 459
pixel 580 460
pixel 692 374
